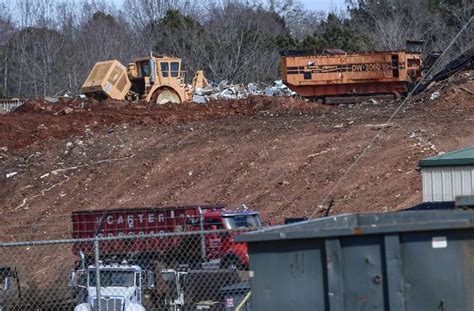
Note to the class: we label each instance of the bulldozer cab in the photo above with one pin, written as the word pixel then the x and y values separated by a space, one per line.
pixel 170 69
pixel 144 68
pixel 148 74
pixel 164 68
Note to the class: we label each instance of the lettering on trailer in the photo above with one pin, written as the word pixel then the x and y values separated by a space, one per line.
pixel 135 221
pixel 368 67
pixel 130 233
pixel 371 67
pixel 215 243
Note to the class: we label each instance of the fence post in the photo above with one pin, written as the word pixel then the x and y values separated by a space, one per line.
pixel 97 273
pixel 203 235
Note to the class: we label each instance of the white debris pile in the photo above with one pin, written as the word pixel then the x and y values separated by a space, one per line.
pixel 435 95
pixel 224 90
pixel 279 89
pixel 10 105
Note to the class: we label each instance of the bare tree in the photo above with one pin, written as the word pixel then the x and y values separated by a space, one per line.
pixel 38 47
pixel 102 37
pixel 26 10
pixel 237 35
pixel 459 15
pixel 49 46
pixel 6 32
pixel 143 13
pixel 388 24
pixel 301 22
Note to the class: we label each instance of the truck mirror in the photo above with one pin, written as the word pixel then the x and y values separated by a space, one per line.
pixel 72 279
pixel 150 280
pixel 6 284
pixel 77 279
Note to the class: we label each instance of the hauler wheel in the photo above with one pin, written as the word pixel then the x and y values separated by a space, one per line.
pixel 164 96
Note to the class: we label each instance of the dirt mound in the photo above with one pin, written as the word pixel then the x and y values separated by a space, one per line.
pixel 40 119
pixel 453 93
pixel 280 156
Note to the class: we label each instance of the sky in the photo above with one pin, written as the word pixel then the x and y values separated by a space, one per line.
pixel 319 5
pixel 323 5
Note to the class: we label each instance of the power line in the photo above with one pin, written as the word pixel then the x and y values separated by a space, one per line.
pixel 382 129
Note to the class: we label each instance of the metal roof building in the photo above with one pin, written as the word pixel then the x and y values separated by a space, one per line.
pixel 448 175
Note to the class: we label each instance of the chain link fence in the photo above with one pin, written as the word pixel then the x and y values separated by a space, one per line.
pixel 198 270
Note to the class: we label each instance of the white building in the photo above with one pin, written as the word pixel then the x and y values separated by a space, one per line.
pixel 448 176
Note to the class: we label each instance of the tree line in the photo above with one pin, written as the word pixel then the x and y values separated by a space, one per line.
pixel 47 47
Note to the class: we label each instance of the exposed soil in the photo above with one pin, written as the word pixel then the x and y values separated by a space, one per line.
pixel 280 156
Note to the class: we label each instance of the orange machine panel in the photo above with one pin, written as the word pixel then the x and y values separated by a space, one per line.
pixel 347 74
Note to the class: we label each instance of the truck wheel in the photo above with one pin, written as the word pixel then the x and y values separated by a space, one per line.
pixel 232 262
pixel 165 95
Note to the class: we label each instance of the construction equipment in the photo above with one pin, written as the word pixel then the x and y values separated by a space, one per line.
pixel 156 79
pixel 465 61
pixel 330 73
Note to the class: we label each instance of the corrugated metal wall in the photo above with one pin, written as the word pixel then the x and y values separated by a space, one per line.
pixel 445 183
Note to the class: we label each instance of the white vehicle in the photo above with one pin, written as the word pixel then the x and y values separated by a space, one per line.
pixel 187 291
pixel 176 280
pixel 5 282
pixel 121 287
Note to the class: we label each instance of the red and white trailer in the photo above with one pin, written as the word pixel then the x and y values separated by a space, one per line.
pixel 175 224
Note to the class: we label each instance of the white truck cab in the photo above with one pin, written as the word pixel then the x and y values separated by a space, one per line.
pixel 121 287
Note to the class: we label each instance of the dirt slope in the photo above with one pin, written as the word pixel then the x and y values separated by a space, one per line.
pixel 277 155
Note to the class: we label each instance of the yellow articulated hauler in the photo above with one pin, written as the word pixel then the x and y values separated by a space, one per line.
pixel 157 79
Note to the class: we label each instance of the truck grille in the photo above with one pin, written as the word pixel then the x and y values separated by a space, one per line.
pixel 108 304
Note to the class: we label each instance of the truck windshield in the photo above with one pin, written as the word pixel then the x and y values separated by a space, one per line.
pixel 242 221
pixel 113 278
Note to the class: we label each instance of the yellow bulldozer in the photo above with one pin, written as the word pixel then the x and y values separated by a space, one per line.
pixel 156 79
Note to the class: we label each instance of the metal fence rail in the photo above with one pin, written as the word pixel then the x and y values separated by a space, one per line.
pixel 201 270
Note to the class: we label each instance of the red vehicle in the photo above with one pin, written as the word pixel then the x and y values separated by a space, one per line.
pixel 182 221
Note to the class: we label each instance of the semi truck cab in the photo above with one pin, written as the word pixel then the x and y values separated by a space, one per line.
pixel 121 287
pixel 221 246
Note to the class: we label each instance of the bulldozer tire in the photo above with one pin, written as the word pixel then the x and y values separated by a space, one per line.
pixel 164 96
